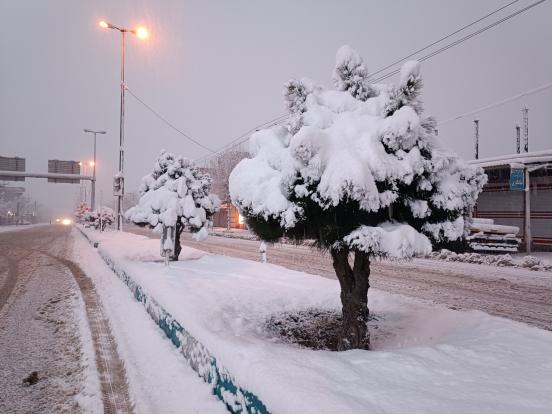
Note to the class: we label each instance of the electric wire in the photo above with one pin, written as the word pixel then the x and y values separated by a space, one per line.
pixel 443 38
pixel 497 104
pixel 243 137
pixel 158 115
pixel 463 39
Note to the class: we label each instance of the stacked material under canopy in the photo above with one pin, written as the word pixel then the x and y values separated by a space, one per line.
pixel 487 236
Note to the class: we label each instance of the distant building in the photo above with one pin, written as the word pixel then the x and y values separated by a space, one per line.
pixel 229 217
pixel 505 199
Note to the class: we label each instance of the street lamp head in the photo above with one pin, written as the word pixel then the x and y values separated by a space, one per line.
pixel 94 132
pixel 141 32
pixel 91 163
pixel 104 25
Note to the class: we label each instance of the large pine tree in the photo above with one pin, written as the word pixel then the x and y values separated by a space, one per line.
pixel 359 171
pixel 175 194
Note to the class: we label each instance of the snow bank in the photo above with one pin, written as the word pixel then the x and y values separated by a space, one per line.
pixel 427 359
pixel 528 262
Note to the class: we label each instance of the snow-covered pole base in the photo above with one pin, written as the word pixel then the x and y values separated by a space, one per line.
pixel 262 250
pixel 237 399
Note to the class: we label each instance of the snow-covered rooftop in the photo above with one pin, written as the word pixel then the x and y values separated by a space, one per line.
pixel 525 158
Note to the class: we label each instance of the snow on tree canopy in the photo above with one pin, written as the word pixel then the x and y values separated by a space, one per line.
pixel 358 166
pixel 176 191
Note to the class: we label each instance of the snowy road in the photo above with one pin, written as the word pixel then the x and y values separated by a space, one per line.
pixel 517 294
pixel 51 326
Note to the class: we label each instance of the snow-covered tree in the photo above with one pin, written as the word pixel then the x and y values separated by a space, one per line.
pixel 81 212
pixel 101 218
pixel 363 174
pixel 175 194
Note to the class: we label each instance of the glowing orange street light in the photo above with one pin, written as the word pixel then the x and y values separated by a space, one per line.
pixel 141 33
pixel 91 163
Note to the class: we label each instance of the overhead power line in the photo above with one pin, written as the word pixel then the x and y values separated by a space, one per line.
pixel 242 138
pixel 158 115
pixel 245 136
pixel 463 39
pixel 444 38
pixel 498 103
pixel 429 55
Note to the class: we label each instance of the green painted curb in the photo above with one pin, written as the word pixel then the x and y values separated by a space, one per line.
pixel 237 399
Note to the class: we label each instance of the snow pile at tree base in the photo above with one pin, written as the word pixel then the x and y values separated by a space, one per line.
pixel 528 262
pixel 431 359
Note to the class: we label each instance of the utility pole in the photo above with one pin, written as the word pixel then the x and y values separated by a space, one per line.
pixel 93 193
pixel 518 139
pixel 525 113
pixel 476 124
pixel 527 203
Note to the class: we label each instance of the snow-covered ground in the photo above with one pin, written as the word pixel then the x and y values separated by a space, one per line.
pixel 159 380
pixel 426 358
pixel 515 259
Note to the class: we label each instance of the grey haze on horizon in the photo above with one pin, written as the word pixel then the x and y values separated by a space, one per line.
pixel 216 68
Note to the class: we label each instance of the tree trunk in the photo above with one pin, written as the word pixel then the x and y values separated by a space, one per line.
pixel 354 298
pixel 177 245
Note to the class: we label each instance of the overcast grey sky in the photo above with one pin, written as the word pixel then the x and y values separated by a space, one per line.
pixel 216 69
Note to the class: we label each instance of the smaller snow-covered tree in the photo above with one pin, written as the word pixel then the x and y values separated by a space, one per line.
pixel 101 218
pixel 81 212
pixel 175 194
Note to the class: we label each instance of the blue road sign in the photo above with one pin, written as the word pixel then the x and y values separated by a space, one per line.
pixel 517 179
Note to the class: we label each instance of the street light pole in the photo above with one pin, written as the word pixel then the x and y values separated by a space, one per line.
pixel 141 33
pixel 121 136
pixel 93 192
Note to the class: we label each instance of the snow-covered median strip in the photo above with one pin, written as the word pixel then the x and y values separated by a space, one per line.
pixel 159 380
pixel 427 359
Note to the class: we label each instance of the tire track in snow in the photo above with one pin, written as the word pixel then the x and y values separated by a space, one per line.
pixel 110 367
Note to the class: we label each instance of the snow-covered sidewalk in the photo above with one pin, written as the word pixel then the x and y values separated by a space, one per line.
pixel 427 359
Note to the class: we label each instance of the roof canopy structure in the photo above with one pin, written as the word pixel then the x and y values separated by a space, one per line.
pixel 526 158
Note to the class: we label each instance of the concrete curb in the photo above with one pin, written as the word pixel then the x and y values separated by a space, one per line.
pixel 224 386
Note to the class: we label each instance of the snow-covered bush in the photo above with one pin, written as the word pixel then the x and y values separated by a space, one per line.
pixel 175 194
pixel 101 218
pixel 81 211
pixel 359 169
pixel 530 261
